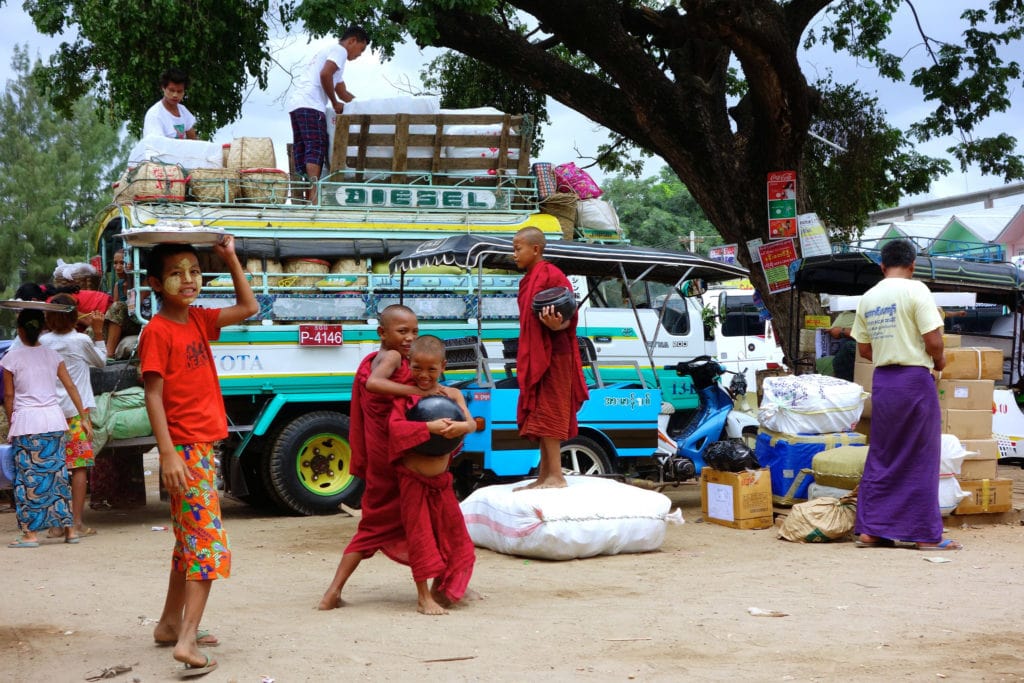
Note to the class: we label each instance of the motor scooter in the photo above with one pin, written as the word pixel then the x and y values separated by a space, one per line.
pixel 681 443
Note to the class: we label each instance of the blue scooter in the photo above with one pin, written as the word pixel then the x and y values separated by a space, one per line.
pixel 682 441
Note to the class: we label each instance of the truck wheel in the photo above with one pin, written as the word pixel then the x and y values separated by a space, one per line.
pixel 308 464
pixel 583 455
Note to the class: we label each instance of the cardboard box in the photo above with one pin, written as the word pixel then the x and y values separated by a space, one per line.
pixel 986 449
pixel 973 362
pixel 863 370
pixel 951 341
pixel 965 394
pixel 741 500
pixel 976 469
pixel 967 424
pixel 987 495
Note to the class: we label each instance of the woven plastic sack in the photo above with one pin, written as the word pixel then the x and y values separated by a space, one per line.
pixel 572 178
pixel 810 404
pixel 599 216
pixel 820 520
pixel 593 516
pixel 547 184
pixel 841 467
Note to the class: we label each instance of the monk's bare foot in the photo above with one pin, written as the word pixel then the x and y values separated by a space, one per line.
pixel 430 607
pixel 556 482
pixel 330 601
pixel 471 595
pixel 440 598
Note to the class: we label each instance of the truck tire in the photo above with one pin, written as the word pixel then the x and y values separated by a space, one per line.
pixel 307 465
pixel 583 455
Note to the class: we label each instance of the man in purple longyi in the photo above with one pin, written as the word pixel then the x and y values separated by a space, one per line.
pixel 899 328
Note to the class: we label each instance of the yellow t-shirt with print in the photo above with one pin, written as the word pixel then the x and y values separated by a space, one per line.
pixel 892 316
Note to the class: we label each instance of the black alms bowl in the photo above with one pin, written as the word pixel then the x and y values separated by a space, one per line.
pixel 561 298
pixel 434 408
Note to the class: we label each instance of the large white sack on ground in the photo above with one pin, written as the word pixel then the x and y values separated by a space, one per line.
pixel 952 455
pixel 407 104
pixel 189 153
pixel 593 516
pixel 810 404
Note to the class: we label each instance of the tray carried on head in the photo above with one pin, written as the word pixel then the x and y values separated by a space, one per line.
pixel 20 305
pixel 174 232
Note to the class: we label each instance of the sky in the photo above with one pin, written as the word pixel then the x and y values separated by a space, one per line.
pixel 570 134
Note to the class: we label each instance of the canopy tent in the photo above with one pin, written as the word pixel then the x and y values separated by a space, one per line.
pixel 573 258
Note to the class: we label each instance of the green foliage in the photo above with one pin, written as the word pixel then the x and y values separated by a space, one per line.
pixel 659 212
pixel 879 163
pixel 123 46
pixel 55 175
pixel 966 82
pixel 463 83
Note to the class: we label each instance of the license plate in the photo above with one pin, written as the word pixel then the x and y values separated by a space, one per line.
pixel 319 335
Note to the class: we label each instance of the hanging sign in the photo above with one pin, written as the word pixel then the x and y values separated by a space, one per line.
pixel 782 204
pixel 775 259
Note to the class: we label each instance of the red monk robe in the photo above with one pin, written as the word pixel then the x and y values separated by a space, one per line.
pixel 438 542
pixel 380 527
pixel 539 347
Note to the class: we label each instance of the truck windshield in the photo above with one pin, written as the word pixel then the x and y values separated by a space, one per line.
pixel 738 313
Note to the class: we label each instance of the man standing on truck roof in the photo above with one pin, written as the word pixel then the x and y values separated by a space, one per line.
pixel 318 85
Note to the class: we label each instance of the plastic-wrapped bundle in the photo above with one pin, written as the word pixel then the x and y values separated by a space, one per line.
pixel 810 404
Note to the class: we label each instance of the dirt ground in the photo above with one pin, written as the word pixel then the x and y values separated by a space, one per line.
pixel 69 611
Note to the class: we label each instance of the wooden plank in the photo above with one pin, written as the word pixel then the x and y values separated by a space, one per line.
pixel 435 159
pixel 503 143
pixel 400 150
pixel 364 132
pixel 340 150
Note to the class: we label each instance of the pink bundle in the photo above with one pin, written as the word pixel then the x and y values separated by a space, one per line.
pixel 574 179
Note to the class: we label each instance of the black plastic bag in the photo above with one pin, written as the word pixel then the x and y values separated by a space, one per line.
pixel 730 456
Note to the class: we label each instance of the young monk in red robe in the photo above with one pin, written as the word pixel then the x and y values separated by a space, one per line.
pixel 549 369
pixel 381 377
pixel 435 530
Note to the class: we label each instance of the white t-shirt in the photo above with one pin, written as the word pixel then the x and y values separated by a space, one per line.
pixel 307 93
pixel 36 410
pixel 79 354
pixel 163 123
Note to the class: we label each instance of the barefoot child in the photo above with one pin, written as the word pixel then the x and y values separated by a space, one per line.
pixel 381 377
pixel 31 373
pixel 548 365
pixel 186 411
pixel 439 543
pixel 79 353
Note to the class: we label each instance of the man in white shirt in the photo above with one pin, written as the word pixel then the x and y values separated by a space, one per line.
pixel 169 117
pixel 318 85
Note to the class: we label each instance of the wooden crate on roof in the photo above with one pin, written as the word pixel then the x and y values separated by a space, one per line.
pixel 355 133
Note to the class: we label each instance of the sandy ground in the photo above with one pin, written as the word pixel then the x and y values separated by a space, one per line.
pixel 854 614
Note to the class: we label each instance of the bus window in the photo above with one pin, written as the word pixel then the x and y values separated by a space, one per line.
pixel 739 316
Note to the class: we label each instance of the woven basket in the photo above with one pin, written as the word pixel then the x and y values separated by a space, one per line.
pixel 153 181
pixel 251 153
pixel 264 185
pixel 214 185
pixel 305 272
pixel 255 266
pixel 562 205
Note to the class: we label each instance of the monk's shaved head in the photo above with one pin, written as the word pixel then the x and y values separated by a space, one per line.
pixel 532 236
pixel 429 346
pixel 393 313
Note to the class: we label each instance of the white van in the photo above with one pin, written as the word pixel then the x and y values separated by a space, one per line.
pixel 744 341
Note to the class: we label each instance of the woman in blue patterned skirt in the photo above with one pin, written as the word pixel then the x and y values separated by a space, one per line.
pixel 41 492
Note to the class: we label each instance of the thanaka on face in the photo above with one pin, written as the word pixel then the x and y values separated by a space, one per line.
pixel 182 280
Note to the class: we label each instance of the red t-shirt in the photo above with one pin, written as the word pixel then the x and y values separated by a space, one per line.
pixel 181 354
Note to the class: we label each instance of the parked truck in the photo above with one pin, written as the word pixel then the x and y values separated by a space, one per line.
pixel 321 278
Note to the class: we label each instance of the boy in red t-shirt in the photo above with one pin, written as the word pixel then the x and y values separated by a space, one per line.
pixel 187 415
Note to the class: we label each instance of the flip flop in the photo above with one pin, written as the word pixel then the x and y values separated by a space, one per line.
pixel 189 670
pixel 880 543
pixel 948 544
pixel 22 543
pixel 87 531
pixel 201 634
pixel 72 540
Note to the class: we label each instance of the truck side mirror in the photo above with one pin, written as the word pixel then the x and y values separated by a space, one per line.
pixel 691 288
